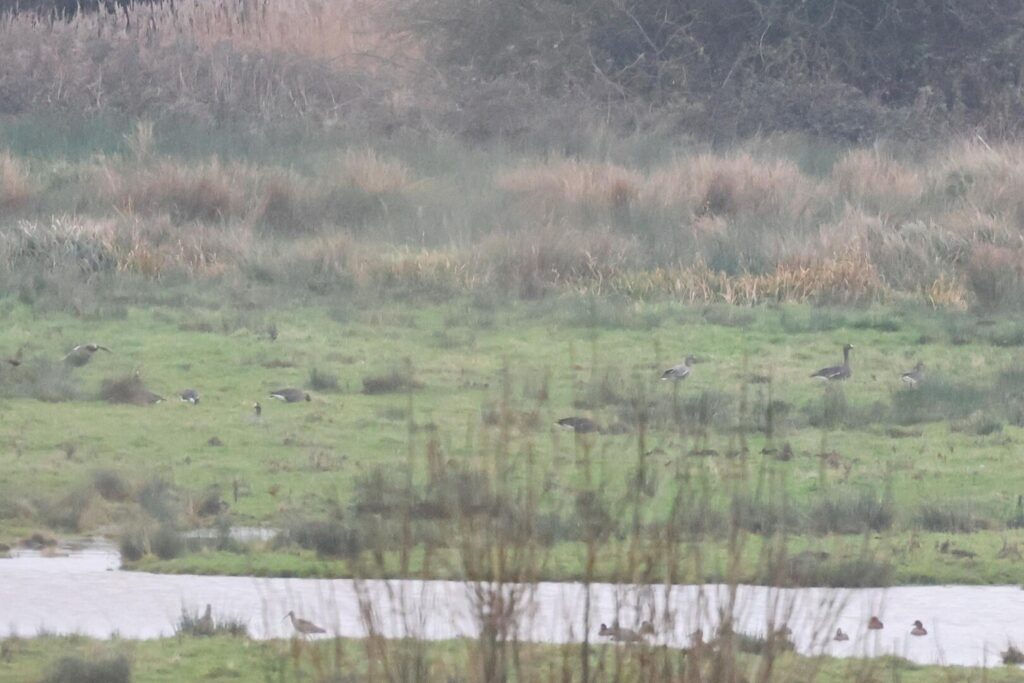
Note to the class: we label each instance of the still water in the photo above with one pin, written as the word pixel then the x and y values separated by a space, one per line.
pixel 81 590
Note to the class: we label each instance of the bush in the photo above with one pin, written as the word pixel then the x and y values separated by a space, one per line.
pixel 132 543
pixel 201 626
pixel 955 517
pixel 157 497
pixel 328 537
pixel 994 276
pixel 167 542
pixel 390 383
pixel 322 380
pixel 850 512
pixel 80 670
pixel 111 485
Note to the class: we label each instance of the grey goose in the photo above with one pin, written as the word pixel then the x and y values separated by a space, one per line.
pixel 837 372
pixel 915 376
pixel 290 395
pixel 626 635
pixel 580 425
pixel 679 372
pixel 82 354
pixel 190 396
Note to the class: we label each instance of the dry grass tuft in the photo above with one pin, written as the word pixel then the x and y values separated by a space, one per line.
pixel 374 174
pixel 565 181
pixel 16 187
pixel 870 179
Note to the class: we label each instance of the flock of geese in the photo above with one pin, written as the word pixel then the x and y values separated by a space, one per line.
pixel 81 354
pixel 834 373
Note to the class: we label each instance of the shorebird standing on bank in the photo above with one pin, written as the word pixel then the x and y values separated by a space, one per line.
pixel 303 627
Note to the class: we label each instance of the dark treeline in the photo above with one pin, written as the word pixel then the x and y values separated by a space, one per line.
pixel 847 69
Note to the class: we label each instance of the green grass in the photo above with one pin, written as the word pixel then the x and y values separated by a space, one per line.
pixel 537 360
pixel 233 659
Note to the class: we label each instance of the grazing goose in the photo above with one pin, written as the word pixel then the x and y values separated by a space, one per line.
pixel 841 635
pixel 679 372
pixel 147 396
pixel 290 395
pixel 918 629
pixel 302 626
pixel 915 376
pixel 837 372
pixel 580 425
pixel 190 396
pixel 82 354
pixel 875 624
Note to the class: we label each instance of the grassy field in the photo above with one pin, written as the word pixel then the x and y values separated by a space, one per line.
pixel 905 470
pixel 231 659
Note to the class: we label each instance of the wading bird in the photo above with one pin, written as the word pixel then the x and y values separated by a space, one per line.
pixel 302 626
pixel 205 623
pixel 837 372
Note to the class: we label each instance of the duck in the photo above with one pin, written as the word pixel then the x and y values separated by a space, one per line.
pixel 82 354
pixel 919 629
pixel 837 372
pixel 580 425
pixel 841 635
pixel 679 372
pixel 190 396
pixel 290 395
pixel 913 377
pixel 875 624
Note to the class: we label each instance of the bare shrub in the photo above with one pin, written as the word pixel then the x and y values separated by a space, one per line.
pixel 875 181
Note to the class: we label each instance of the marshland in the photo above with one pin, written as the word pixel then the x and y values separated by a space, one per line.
pixel 452 225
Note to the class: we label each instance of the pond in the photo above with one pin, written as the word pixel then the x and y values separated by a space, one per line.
pixel 80 589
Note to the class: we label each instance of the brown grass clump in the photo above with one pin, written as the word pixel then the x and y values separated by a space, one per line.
pixel 374 174
pixel 994 275
pixel 206 194
pixel 870 179
pixel 564 181
pixel 129 389
pixel 282 206
pixel 391 382
pixel 986 178
pixel 16 187
pixel 707 184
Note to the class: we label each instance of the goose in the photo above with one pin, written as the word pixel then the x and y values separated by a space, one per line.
pixel 841 635
pixel 205 624
pixel 626 635
pixel 681 371
pixel 837 372
pixel 580 425
pixel 257 408
pixel 290 395
pixel 148 397
pixel 875 624
pixel 918 629
pixel 190 396
pixel 302 626
pixel 915 376
pixel 82 354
